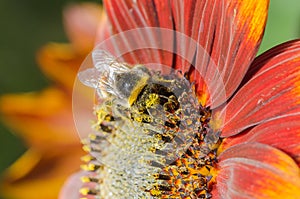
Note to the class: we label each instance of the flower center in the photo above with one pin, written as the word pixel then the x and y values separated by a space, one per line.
pixel 153 142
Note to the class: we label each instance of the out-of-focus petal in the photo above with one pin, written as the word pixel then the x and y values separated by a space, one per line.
pixel 56 59
pixel 104 31
pixel 42 119
pixel 273 92
pixel 257 171
pixel 81 22
pixel 86 24
pixel 45 177
pixel 23 165
pixel 282 133
pixel 130 15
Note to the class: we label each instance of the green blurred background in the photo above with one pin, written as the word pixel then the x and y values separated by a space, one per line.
pixel 28 25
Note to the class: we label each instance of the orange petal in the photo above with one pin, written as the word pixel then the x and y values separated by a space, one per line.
pixel 60 62
pixel 81 23
pixel 44 173
pixel 282 133
pixel 257 171
pixel 43 119
pixel 272 92
pixel 27 162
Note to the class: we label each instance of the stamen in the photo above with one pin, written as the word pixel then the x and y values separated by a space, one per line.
pixel 86 179
pixel 87 158
pixel 90 167
pixel 88 191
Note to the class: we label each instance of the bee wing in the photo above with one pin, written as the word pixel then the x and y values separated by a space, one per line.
pixel 104 61
pixel 102 76
pixel 92 78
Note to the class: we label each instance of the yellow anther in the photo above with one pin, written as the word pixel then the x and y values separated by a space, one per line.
pixel 84 141
pixel 138 119
pixel 84 191
pixel 87 158
pixel 85 179
pixel 155 192
pixel 152 149
pixel 84 167
pixel 101 115
pixel 108 117
pixel 86 148
pixel 152 100
pixel 92 136
pixel 91 167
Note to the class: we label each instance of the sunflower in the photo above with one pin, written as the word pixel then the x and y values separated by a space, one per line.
pixel 240 113
pixel 44 119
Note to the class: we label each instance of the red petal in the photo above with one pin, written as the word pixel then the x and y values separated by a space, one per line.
pixel 282 133
pixel 256 171
pixel 228 32
pixel 272 93
pixel 260 61
pixel 130 15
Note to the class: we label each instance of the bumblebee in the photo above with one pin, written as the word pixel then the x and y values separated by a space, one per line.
pixel 113 78
pixel 135 87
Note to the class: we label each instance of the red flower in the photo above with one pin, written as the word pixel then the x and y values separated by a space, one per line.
pixel 249 107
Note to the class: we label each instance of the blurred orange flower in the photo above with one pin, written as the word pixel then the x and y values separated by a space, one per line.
pixel 44 119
